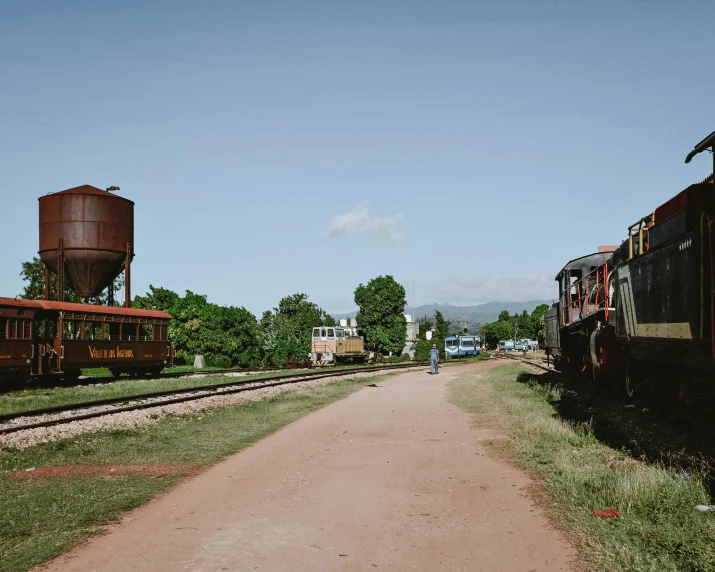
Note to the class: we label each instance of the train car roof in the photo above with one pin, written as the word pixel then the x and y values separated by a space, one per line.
pixel 83 308
pixel 578 263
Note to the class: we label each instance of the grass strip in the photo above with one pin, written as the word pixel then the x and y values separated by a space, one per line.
pixel 659 528
pixel 42 518
pixel 104 372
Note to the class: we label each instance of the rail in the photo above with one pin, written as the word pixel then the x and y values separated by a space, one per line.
pixel 148 400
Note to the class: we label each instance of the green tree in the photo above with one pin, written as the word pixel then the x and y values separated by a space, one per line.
pixel 537 322
pixel 286 332
pixel 33 274
pixel 382 303
pixel 156 299
pixel 524 324
pixel 504 316
pixel 216 332
pixel 496 331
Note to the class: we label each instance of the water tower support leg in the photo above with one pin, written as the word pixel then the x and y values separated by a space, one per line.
pixel 46 285
pixel 61 273
pixel 128 277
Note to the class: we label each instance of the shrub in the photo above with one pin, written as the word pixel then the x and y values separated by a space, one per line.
pixel 219 361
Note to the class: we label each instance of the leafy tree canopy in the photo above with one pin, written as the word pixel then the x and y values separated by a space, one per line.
pixel 381 304
pixel 224 335
pixel 33 274
pixel 286 332
pixel 156 299
pixel 202 328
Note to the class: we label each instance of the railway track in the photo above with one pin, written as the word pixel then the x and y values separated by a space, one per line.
pixel 525 360
pixel 49 416
pixel 91 379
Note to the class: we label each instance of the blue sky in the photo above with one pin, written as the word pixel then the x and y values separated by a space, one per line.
pixel 278 147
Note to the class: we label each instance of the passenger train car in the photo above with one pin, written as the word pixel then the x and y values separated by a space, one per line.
pixel 45 338
pixel 461 346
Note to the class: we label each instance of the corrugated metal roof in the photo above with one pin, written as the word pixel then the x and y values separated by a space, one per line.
pixel 84 308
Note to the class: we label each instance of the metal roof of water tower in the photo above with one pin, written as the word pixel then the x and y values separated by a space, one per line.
pixel 94 228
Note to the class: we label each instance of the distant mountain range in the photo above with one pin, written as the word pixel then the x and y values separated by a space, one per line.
pixel 481 313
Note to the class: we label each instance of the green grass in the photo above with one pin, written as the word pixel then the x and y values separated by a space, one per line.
pixel 41 519
pixel 659 528
pixel 104 372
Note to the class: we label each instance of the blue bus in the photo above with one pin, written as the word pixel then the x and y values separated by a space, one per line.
pixel 459 346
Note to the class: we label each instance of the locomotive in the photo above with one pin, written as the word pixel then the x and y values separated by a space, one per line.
pixel 336 344
pixel 40 338
pixel 628 315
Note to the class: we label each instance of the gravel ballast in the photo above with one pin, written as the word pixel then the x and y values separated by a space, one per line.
pixel 128 419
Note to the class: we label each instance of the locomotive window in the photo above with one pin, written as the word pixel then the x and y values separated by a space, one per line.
pixel 316 332
pixel 452 343
pixel 468 343
pixel 331 333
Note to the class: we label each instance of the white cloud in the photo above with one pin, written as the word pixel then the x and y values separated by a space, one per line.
pixel 467 291
pixel 359 221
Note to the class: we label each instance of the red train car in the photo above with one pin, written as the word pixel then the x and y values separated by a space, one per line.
pixel 16 343
pixel 59 338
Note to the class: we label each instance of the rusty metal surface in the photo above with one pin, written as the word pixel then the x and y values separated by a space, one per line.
pixel 107 353
pixel 82 308
pixel 95 227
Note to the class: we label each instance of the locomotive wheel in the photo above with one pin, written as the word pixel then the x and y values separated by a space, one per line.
pixel 633 379
pixel 630 382
pixel 115 371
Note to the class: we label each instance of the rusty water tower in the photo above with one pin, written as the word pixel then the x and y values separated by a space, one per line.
pixel 86 238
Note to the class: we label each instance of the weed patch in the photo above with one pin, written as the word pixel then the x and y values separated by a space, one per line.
pixel 659 528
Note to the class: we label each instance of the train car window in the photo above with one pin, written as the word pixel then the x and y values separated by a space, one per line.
pixel 452 343
pixel 3 328
pixel 468 343
pixel 13 330
pixel 331 333
pixel 316 332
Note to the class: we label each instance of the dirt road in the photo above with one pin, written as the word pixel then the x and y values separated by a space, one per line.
pixel 391 478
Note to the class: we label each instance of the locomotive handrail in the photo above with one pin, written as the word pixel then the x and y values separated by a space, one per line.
pixel 591 290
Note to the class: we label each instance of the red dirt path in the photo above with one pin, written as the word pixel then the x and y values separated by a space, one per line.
pixel 391 478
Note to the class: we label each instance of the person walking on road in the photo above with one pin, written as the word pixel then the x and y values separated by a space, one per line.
pixel 434 359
